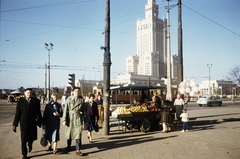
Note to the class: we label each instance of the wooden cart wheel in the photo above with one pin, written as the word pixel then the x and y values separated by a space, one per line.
pixel 145 127
pixel 128 125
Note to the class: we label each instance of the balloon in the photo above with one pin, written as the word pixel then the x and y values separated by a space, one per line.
pixel 187 90
pixel 192 94
pixel 181 85
pixel 195 89
pixel 192 83
pixel 187 83
pixel 182 90
pixel 189 87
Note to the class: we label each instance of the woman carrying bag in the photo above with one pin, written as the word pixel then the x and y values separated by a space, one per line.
pixel 91 117
pixel 51 121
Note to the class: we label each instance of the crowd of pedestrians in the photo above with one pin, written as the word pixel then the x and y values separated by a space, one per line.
pixel 77 115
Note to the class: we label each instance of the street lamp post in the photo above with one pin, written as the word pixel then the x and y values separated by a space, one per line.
pixel 233 100
pixel 209 66
pixel 221 90
pixel 49 48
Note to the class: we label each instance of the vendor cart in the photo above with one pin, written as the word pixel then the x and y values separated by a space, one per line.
pixel 143 121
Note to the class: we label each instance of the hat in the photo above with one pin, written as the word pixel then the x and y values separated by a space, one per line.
pixel 76 88
pixel 28 89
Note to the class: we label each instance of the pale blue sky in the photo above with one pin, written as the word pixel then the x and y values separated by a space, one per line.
pixel 211 34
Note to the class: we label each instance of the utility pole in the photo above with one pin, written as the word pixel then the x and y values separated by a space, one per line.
pixel 180 43
pixel 209 66
pixel 169 79
pixel 106 72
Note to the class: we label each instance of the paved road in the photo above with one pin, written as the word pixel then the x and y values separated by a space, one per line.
pixel 214 134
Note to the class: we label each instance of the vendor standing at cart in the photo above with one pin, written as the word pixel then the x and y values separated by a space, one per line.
pixel 165 116
pixel 157 100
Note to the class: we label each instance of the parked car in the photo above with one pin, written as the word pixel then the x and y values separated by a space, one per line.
pixel 209 100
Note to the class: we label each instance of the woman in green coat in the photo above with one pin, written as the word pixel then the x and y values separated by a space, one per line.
pixel 72 119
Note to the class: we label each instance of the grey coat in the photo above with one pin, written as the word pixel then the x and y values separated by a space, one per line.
pixel 73 115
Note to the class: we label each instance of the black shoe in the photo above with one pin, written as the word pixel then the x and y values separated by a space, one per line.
pixel 68 148
pixel 29 148
pixel 50 148
pixel 24 157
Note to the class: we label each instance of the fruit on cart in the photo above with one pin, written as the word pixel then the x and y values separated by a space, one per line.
pixel 151 107
pixel 130 108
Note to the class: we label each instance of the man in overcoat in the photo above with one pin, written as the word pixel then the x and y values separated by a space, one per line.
pixel 29 115
pixel 73 119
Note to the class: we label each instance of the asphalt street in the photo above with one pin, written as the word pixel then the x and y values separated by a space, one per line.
pixel 214 133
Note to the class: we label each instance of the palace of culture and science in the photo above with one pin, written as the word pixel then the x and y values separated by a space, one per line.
pixel 149 66
pixel 151 58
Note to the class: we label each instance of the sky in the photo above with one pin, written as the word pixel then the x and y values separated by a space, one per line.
pixel 211 35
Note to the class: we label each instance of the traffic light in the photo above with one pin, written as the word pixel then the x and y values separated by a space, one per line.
pixel 72 80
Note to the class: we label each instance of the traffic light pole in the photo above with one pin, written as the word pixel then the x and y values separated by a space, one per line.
pixel 72 80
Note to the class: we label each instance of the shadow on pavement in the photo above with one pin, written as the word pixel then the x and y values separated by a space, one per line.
pixel 117 142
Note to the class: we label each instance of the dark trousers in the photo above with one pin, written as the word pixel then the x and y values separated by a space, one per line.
pixel 24 147
pixel 78 143
pixel 185 125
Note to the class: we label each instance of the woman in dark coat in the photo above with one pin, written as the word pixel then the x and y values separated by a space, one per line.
pixel 27 112
pixel 51 122
pixel 91 116
pixel 166 117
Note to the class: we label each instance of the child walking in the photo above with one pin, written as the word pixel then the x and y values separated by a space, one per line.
pixel 185 119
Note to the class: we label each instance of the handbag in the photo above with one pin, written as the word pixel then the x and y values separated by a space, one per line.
pixel 43 140
pixel 96 127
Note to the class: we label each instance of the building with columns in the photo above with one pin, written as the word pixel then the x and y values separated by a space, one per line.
pixel 218 88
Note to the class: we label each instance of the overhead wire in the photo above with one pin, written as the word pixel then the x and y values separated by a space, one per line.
pixel 47 5
pixel 212 20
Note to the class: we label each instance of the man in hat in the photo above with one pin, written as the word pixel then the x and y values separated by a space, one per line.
pixel 29 115
pixel 72 119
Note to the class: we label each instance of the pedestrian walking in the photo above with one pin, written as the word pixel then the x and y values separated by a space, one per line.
pixel 99 102
pixel 91 116
pixel 185 119
pixel 29 116
pixel 178 103
pixel 51 122
pixel 72 119
pixel 63 100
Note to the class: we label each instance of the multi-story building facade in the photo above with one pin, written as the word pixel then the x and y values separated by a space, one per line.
pixel 132 64
pixel 218 88
pixel 174 67
pixel 150 42
pixel 151 57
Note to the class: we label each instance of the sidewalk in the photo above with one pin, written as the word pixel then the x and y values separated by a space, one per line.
pixel 214 134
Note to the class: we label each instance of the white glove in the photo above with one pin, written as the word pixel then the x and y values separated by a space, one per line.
pixel 55 113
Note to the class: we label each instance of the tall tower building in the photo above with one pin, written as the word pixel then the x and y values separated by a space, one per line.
pixel 150 42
